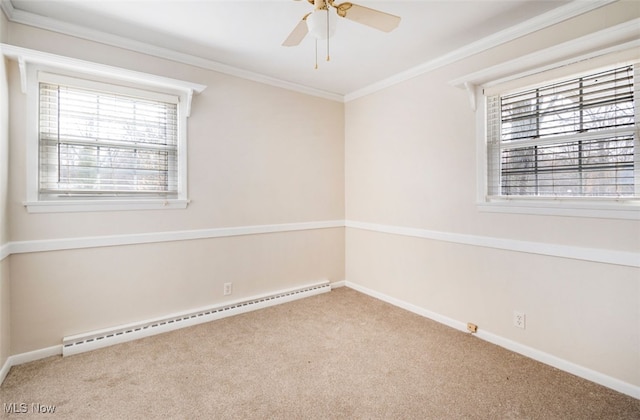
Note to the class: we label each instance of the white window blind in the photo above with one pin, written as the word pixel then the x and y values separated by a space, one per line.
pixel 574 138
pixel 106 144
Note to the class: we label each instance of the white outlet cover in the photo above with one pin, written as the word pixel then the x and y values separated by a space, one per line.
pixel 227 289
pixel 519 319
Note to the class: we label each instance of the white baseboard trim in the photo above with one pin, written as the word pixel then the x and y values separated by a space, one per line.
pixel 535 354
pixel 31 356
pixel 546 358
pixel 93 340
pixel 224 310
pixel 607 256
pixel 450 322
pixel 5 369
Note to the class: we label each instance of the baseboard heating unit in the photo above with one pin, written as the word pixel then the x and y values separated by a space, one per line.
pixel 107 337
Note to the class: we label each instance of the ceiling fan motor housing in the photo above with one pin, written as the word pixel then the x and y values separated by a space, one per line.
pixel 322 23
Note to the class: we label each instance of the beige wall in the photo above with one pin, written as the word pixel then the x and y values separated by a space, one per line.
pixel 410 161
pixel 404 156
pixel 61 293
pixel 258 155
pixel 5 327
pixel 5 311
pixel 4 139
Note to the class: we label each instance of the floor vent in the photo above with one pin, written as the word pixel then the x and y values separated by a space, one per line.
pixel 97 339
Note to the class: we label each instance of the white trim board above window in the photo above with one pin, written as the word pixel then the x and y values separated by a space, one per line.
pixel 100 137
pixel 615 44
pixel 25 56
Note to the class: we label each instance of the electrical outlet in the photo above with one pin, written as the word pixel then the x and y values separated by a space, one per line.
pixel 519 319
pixel 227 289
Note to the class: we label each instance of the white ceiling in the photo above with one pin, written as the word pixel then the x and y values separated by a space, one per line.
pixel 247 35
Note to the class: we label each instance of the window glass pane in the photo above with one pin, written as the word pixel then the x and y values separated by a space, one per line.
pixel 595 102
pixel 102 143
pixel 603 167
pixel 597 111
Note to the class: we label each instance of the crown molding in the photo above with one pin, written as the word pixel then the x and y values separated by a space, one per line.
pixel 576 50
pixel 7 7
pixel 562 13
pixel 545 20
pixel 43 22
pixel 26 56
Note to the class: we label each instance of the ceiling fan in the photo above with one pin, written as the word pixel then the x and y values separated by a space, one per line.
pixel 322 24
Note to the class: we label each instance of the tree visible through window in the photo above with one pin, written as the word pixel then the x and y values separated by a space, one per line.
pixel 572 138
pixel 96 143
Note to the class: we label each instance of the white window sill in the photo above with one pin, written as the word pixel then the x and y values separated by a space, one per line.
pixel 103 205
pixel 605 209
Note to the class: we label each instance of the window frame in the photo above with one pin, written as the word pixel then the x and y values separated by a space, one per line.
pixel 109 90
pixel 612 45
pixel 32 62
pixel 596 207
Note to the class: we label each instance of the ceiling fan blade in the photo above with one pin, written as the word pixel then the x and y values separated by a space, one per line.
pixel 297 35
pixel 385 22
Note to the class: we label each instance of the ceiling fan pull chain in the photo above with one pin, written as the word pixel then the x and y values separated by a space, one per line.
pixel 328 58
pixel 316 41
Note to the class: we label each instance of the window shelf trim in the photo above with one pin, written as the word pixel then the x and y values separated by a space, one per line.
pixel 620 41
pixel 568 207
pixel 27 57
pixel 45 206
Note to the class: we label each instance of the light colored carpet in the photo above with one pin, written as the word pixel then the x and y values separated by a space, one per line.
pixel 337 355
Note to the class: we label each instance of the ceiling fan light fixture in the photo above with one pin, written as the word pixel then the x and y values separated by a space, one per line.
pixel 321 23
pixel 318 25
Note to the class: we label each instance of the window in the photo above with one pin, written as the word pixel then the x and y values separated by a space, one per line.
pixel 104 141
pixel 574 140
pixel 100 137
